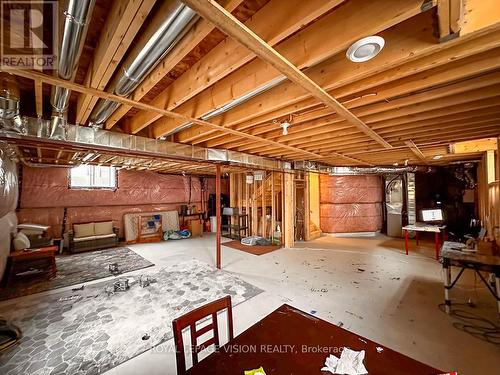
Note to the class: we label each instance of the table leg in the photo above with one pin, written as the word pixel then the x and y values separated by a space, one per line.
pixel 447 284
pixel 416 237
pixel 11 273
pixel 54 267
pixel 436 241
pixel 406 241
pixel 497 285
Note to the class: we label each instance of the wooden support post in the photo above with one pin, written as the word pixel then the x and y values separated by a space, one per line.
pixel 218 213
pixel 232 190
pixel 282 218
pixel 240 181
pixel 443 12
pixel 307 209
pixel 263 206
pixel 498 196
pixel 288 222
pixel 233 181
pixel 247 203
pixel 490 166
pixel 273 208
pixel 255 211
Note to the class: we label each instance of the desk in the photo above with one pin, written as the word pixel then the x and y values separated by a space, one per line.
pixel 20 259
pixel 422 227
pixel 290 341
pixel 467 260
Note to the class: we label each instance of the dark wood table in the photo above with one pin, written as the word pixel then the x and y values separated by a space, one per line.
pixel 20 261
pixel 290 341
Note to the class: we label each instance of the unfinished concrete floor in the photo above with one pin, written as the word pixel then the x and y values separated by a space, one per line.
pixel 367 284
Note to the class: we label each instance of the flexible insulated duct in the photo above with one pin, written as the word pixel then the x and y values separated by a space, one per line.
pixel 9 104
pixel 159 40
pixel 75 29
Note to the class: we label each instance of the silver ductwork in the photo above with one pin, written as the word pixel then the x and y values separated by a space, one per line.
pixel 76 21
pixel 347 171
pixel 9 104
pixel 233 103
pixel 158 41
pixel 133 146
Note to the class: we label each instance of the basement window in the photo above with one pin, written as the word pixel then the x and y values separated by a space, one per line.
pixel 92 177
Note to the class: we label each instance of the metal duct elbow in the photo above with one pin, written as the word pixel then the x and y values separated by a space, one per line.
pixel 75 30
pixel 10 118
pixel 160 39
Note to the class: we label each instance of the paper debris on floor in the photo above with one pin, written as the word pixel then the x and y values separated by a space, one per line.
pixel 349 363
pixel 258 371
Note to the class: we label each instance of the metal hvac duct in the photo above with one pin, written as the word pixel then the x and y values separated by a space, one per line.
pixel 347 171
pixel 9 104
pixel 233 103
pixel 163 37
pixel 75 30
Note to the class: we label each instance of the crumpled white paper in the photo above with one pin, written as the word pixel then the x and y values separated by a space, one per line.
pixel 349 363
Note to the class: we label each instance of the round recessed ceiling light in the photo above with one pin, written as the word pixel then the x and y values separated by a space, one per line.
pixel 437 157
pixel 365 49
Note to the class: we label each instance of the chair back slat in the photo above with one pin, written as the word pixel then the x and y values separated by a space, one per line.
pixel 205 329
pixel 190 319
pixel 206 344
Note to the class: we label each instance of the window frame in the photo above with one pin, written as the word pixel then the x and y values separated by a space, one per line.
pixel 92 177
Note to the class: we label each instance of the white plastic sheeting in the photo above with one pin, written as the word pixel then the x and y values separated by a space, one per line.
pixel 8 202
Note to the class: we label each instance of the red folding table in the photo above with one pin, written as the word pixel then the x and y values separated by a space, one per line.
pixel 422 227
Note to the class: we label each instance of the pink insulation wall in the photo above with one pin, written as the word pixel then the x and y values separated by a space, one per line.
pixel 350 203
pixel 45 194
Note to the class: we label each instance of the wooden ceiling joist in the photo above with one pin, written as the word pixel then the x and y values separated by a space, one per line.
pixel 414 148
pixel 435 83
pixel 317 47
pixel 122 24
pixel 476 145
pixel 231 26
pixel 105 95
pixel 287 99
pixel 199 32
pixel 288 17
pixel 410 105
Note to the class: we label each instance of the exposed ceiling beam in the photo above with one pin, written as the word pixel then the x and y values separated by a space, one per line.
pixel 307 48
pixel 457 9
pixel 122 24
pixel 199 32
pixel 395 118
pixel 227 57
pixel 476 145
pixel 478 15
pixel 343 82
pixel 443 13
pixel 105 95
pixel 414 148
pixel 376 108
pixel 212 11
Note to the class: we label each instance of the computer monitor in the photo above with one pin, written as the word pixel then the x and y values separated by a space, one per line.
pixel 430 215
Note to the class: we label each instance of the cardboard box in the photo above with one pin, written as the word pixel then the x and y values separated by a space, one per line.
pixel 195 227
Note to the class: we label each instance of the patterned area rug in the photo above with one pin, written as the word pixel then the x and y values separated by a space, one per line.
pixel 92 331
pixel 77 269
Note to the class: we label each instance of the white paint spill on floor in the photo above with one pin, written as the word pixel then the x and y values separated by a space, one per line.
pixel 367 285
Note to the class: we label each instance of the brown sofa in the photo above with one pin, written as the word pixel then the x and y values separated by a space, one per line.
pixel 92 236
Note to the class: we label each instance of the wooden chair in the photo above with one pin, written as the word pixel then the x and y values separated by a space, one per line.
pixel 190 319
